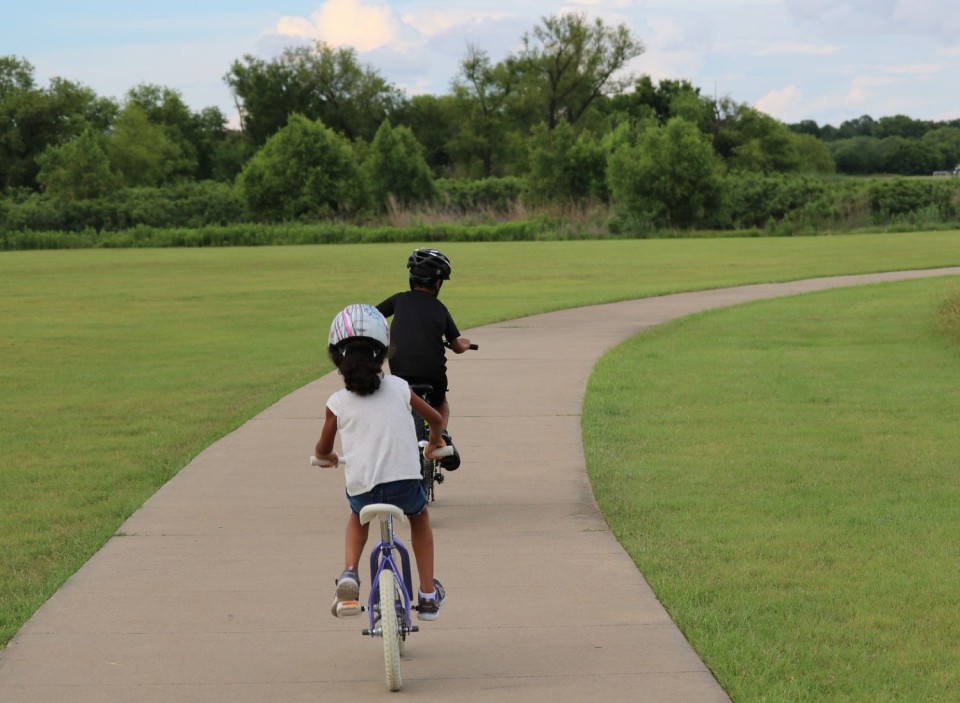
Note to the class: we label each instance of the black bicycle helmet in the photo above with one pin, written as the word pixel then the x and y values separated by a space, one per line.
pixel 428 265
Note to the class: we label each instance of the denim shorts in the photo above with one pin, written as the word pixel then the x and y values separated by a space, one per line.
pixel 408 495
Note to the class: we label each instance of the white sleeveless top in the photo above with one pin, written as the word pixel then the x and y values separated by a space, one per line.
pixel 377 435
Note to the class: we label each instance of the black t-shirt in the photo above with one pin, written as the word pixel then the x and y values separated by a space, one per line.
pixel 420 324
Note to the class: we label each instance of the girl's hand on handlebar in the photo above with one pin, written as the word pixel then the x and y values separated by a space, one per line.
pixel 327 461
pixel 429 450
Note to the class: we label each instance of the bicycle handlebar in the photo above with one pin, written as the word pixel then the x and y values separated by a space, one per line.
pixel 442 452
pixel 314 461
pixel 445 450
pixel 473 347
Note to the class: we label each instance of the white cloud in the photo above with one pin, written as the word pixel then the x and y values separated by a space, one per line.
pixel 361 25
pixel 785 105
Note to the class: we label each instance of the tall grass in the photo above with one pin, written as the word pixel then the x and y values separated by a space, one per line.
pixel 118 366
pixel 785 475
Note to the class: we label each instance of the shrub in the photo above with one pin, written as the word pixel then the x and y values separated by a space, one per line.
pixel 303 171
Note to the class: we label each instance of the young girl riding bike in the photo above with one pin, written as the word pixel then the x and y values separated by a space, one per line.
pixel 373 415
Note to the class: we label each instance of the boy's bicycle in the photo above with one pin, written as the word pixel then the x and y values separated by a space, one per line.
pixel 430 473
pixel 430 469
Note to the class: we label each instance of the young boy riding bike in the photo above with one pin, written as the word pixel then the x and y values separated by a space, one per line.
pixel 420 325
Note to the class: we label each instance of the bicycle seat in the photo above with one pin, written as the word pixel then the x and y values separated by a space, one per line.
pixel 374 510
pixel 421 389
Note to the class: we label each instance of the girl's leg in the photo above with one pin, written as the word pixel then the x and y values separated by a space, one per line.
pixel 421 535
pixel 355 541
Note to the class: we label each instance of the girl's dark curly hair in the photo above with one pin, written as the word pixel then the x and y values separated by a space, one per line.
pixel 360 362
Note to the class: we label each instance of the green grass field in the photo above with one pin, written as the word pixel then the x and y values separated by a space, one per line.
pixel 784 474
pixel 118 366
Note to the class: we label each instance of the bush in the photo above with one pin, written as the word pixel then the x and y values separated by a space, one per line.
pixel 396 168
pixel 671 178
pixel 901 196
pixel 303 171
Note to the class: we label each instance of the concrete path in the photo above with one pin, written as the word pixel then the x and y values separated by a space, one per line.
pixel 219 588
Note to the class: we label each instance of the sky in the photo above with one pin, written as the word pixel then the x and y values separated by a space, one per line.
pixel 822 60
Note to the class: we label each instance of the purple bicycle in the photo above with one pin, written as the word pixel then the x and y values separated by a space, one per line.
pixel 390 603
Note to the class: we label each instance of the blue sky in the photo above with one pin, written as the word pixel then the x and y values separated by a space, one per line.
pixel 825 60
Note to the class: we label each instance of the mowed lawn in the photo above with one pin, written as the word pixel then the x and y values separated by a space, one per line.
pixel 117 367
pixel 785 474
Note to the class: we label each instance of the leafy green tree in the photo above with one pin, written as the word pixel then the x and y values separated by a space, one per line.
pixel 566 167
pixel 671 177
pixel 482 92
pixel 434 121
pixel 165 108
pixel 567 63
pixel 858 156
pixel 908 157
pixel 863 126
pixel 396 168
pixel 946 142
pixel 143 153
pixel 753 141
pixel 33 118
pixel 79 169
pixel 813 155
pixel 305 170
pixel 901 126
pixel 665 100
pixel 320 83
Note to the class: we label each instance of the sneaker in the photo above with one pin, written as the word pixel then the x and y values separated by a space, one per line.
pixel 347 601
pixel 429 608
pixel 452 462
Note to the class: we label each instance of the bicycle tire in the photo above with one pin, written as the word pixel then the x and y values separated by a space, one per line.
pixel 390 628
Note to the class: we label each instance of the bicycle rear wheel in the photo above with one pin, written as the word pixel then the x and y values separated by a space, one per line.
pixel 426 465
pixel 390 627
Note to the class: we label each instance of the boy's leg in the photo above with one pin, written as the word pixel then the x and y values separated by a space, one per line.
pixel 450 463
pixel 444 410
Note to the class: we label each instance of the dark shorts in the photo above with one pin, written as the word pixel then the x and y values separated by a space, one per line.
pixel 408 495
pixel 439 393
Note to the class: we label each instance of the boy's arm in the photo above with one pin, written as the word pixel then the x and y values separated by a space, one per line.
pixel 324 449
pixel 386 307
pixel 460 345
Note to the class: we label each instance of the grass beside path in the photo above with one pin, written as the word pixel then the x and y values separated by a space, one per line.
pixel 118 366
pixel 784 473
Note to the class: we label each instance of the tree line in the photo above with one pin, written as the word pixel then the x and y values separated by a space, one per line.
pixel 322 135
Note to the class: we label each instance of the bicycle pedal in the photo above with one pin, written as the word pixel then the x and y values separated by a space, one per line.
pixel 348 608
pixel 438 478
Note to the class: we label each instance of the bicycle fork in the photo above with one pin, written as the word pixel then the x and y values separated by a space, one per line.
pixel 382 559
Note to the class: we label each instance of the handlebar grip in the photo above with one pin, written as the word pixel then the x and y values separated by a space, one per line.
pixel 446 450
pixel 474 346
pixel 314 461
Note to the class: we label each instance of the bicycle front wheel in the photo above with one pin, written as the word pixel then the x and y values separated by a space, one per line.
pixel 426 465
pixel 390 627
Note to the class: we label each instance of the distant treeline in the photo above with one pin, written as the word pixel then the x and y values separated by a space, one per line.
pixel 556 127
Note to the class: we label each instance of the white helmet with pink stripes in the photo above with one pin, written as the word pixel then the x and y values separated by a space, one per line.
pixel 359 321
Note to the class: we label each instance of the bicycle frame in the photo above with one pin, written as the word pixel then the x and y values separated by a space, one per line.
pixel 430 473
pixel 381 558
